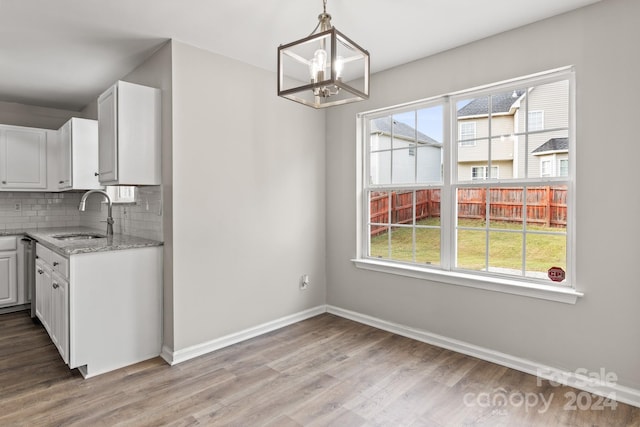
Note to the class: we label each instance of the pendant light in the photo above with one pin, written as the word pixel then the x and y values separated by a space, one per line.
pixel 324 69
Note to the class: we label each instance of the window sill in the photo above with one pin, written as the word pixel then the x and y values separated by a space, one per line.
pixel 551 293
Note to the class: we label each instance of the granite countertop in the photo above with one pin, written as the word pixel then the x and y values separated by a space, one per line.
pixel 117 242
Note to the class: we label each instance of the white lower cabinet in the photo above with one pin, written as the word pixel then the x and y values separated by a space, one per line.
pixel 60 315
pixel 9 278
pixel 52 299
pixel 102 310
pixel 43 293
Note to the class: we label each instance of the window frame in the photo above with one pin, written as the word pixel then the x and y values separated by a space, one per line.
pixel 485 173
pixel 444 273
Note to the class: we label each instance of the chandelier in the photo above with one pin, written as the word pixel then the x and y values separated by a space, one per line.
pixel 324 69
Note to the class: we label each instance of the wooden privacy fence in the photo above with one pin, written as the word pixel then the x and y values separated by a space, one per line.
pixel 545 206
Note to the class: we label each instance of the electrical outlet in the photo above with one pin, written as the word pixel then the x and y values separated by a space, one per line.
pixel 18 207
pixel 304 282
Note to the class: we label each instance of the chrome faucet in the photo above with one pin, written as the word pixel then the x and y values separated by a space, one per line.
pixel 83 203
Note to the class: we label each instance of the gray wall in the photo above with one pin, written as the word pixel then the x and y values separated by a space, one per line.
pixel 15 114
pixel 601 330
pixel 248 199
pixel 157 72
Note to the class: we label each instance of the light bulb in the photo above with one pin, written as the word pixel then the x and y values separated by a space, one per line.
pixel 318 65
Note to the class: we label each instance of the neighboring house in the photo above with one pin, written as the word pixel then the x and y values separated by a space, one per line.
pixel 554 157
pixel 474 131
pixel 404 154
pixel 510 135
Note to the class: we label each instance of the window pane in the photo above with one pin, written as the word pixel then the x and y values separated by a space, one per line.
pixel 471 249
pixel 380 168
pixel 505 253
pixel 431 125
pixel 543 252
pixel 380 137
pixel 547 206
pixel 404 129
pixel 379 242
pixel 404 164
pixel 379 206
pixel 472 204
pixel 402 243
pixel 428 207
pixel 506 207
pixel 504 106
pixel 429 163
pixel 402 207
pixel 428 245
pixel 551 101
pixel 546 150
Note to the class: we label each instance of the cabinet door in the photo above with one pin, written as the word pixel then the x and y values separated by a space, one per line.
pixel 8 279
pixel 60 315
pixel 64 158
pixel 108 136
pixel 23 158
pixel 43 295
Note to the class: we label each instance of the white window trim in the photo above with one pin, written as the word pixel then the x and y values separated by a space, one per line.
pixel 486 172
pixel 549 172
pixel 562 294
pixel 522 287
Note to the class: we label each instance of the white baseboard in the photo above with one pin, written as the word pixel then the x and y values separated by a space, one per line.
pixel 174 357
pixel 617 392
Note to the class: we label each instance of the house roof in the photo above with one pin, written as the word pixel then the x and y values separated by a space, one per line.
pixel 400 130
pixel 501 103
pixel 554 144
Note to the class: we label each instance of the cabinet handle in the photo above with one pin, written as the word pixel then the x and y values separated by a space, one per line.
pixel 60 182
pixel 55 263
pixel 4 182
pixel 37 257
pixel 55 285
pixel 40 271
pixel 96 174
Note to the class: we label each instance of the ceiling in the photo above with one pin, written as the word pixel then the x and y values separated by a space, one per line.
pixel 64 53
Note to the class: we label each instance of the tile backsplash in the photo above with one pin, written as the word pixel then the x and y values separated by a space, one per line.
pixel 29 210
pixel 142 219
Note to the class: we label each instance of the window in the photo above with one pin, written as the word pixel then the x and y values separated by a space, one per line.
pixel 436 213
pixel 121 193
pixel 564 167
pixel 536 120
pixel 480 172
pixel 545 168
pixel 467 134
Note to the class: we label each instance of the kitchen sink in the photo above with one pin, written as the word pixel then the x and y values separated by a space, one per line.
pixel 78 236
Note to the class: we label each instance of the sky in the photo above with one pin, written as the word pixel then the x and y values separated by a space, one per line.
pixel 429 120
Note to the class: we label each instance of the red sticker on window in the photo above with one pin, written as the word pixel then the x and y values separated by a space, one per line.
pixel 556 274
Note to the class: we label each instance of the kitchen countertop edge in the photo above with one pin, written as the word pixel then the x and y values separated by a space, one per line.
pixel 118 242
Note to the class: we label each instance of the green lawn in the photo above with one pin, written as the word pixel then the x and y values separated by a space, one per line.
pixel 505 248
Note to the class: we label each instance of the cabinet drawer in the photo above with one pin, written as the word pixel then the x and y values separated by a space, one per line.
pixel 60 264
pixel 43 253
pixel 9 243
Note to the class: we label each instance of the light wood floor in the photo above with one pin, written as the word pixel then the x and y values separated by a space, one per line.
pixel 323 371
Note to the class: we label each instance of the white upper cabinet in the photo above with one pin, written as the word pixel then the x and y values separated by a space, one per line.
pixel 23 158
pixel 78 155
pixel 129 135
